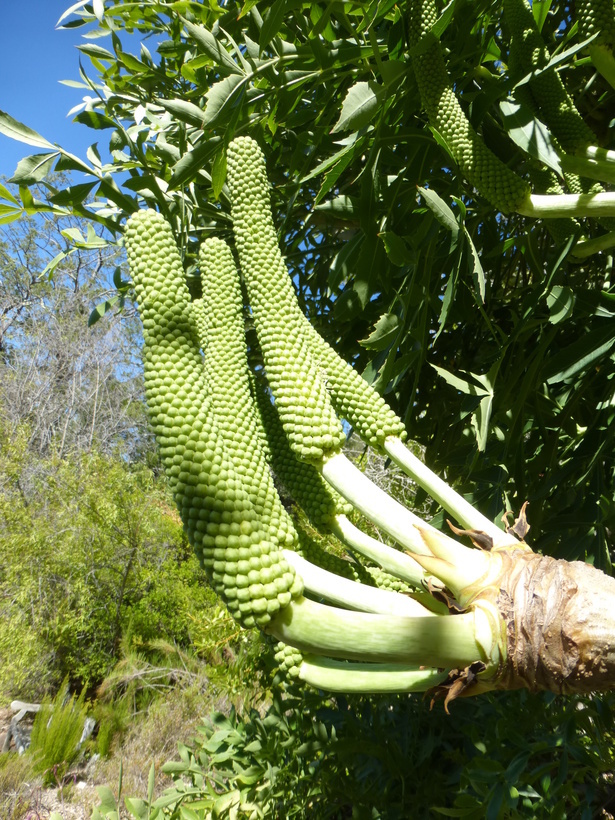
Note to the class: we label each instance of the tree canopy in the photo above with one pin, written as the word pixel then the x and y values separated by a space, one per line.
pixel 490 333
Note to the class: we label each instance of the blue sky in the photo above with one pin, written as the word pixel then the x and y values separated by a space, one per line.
pixel 35 57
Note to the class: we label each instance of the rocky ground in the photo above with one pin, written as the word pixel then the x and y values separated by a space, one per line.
pixel 34 802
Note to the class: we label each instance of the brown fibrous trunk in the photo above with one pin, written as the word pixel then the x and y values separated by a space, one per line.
pixel 560 625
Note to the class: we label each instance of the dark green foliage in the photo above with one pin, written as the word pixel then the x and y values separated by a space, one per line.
pixel 394 758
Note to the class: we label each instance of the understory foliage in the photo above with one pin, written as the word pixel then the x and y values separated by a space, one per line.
pixel 309 755
pixel 56 734
pixel 91 555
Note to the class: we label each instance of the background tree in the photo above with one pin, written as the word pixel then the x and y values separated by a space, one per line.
pixel 489 333
pixel 441 301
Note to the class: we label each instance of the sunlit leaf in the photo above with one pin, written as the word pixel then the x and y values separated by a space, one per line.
pixel 529 134
pixel 359 107
pixel 32 169
pixel 18 131
pixel 208 43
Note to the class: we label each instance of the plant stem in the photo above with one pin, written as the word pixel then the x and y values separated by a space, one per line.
pixel 562 205
pixel 350 594
pixel 431 641
pixel 443 494
pixel 374 678
pixel 390 559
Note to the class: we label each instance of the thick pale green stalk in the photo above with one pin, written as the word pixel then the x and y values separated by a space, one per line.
pixel 588 247
pixel 431 641
pixel 392 560
pixel 361 678
pixel 349 594
pixel 399 522
pixel 455 504
pixel 552 207
pixel 602 170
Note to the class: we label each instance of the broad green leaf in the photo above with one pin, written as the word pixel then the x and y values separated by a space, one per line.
pixel 561 302
pixel 359 107
pixel 184 111
pixel 442 23
pixel 32 169
pixel 6 194
pixel 326 164
pixel 10 216
pixel 477 268
pixel 104 307
pixel 218 172
pixel 580 355
pixel 18 131
pixel 73 194
pixel 138 808
pixel 192 161
pixel 208 43
pixel 480 421
pixel 342 207
pixel 396 248
pixel 440 209
pixel 464 385
pixel 529 134
pixel 221 96
pixel 98 52
pixel 540 9
pixel 75 7
pixel 186 813
pixel 384 333
pixel 95 119
pixel 107 799
pixel 99 9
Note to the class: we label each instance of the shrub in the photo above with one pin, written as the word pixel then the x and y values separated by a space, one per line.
pixel 57 730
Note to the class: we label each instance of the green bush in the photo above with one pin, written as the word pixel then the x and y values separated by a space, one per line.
pixel 91 552
pixel 505 756
pixel 56 732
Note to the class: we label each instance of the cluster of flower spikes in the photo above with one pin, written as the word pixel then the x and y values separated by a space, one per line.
pixel 352 397
pixel 218 515
pixel 545 93
pixel 307 416
pixel 597 17
pixel 487 173
pixel 280 322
